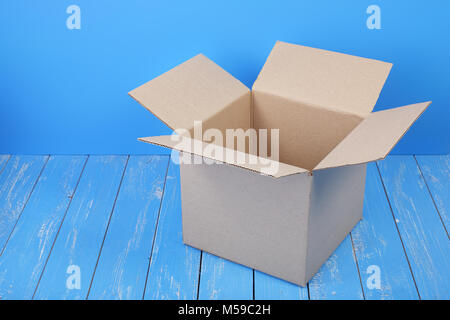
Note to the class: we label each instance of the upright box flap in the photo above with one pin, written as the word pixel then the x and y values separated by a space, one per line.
pixel 321 78
pixel 197 89
pixel 374 137
pixel 262 165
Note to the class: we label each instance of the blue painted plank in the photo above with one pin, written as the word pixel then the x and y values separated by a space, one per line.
pixel 338 278
pixel 174 267
pixel 3 160
pixel 436 171
pixel 423 234
pixel 378 247
pixel 82 232
pixel 221 279
pixel 271 288
pixel 29 245
pixel 124 259
pixel 16 184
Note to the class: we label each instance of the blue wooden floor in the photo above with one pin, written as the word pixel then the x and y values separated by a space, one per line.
pixel 109 227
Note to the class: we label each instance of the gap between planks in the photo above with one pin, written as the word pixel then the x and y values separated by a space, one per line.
pixel 107 226
pixel 59 228
pixel 25 204
pixel 398 231
pixel 431 195
pixel 156 228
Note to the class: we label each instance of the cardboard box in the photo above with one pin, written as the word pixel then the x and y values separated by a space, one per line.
pixel 285 222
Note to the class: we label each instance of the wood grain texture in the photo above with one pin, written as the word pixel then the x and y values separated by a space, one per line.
pixel 338 278
pixel 436 171
pixel 174 266
pixel 423 234
pixel 3 160
pixel 81 234
pixel 16 184
pixel 29 245
pixel 271 288
pixel 117 212
pixel 123 263
pixel 221 279
pixel 377 245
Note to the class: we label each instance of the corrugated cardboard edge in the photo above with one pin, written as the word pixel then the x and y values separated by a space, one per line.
pixel 169 142
pixel 148 109
pixel 340 156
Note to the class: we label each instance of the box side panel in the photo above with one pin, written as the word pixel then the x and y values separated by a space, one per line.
pixel 235 115
pixel 307 134
pixel 336 206
pixel 251 219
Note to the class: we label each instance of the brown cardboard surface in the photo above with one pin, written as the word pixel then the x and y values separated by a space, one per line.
pixel 336 206
pixel 374 137
pixel 196 90
pixel 307 134
pixel 190 146
pixel 285 227
pixel 322 78
pixel 316 98
pixel 321 103
pixel 247 218
pixel 235 115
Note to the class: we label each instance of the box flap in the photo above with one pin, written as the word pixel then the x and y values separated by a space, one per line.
pixel 261 165
pixel 321 78
pixel 197 89
pixel 374 137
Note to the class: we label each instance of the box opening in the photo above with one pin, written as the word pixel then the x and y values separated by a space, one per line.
pixel 320 101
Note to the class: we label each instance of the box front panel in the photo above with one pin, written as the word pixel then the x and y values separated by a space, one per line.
pixel 248 218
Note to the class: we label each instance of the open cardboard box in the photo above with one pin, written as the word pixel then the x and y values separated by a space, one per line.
pixel 286 222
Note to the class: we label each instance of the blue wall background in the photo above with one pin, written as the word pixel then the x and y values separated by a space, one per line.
pixel 65 91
